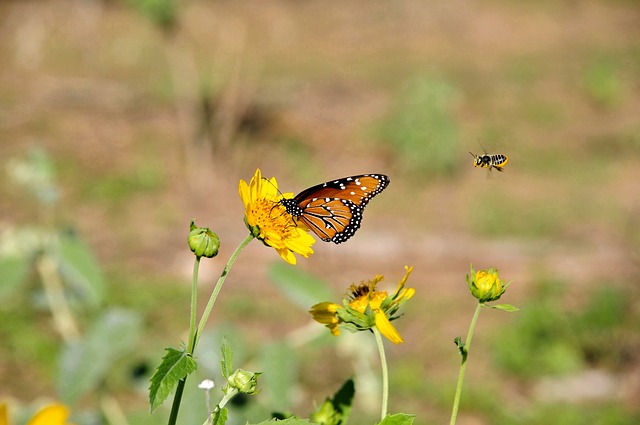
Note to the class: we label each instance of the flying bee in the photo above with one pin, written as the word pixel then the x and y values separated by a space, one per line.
pixel 490 161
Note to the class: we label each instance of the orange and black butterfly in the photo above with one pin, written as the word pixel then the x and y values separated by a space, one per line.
pixel 333 210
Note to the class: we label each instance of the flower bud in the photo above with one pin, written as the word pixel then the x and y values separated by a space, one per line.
pixel 244 381
pixel 485 285
pixel 203 242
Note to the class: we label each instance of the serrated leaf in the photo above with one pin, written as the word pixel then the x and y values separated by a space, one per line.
pixel 505 307
pixel 226 362
pixel 220 417
pixel 302 288
pixel 288 421
pixel 81 270
pixel 13 271
pixel 86 362
pixel 398 419
pixel 175 366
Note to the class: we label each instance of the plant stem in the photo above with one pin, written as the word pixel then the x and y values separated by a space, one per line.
pixel 216 290
pixel 463 365
pixel 54 290
pixel 173 417
pixel 385 373
pixel 194 306
pixel 194 335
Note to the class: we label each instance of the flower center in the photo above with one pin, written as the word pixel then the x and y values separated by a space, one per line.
pixel 272 217
pixel 372 299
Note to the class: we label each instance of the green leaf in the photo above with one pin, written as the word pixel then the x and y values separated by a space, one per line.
pixel 85 363
pixel 336 411
pixel 504 307
pixel 288 421
pixel 398 419
pixel 461 346
pixel 302 288
pixel 220 417
pixel 81 270
pixel 343 398
pixel 13 271
pixel 175 366
pixel 226 363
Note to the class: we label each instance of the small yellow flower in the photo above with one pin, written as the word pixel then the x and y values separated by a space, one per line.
pixel 485 285
pixel 53 414
pixel 366 307
pixel 267 219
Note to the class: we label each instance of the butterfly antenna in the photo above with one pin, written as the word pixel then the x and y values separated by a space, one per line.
pixel 276 187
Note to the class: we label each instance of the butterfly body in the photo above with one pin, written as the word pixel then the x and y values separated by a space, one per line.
pixel 496 161
pixel 333 210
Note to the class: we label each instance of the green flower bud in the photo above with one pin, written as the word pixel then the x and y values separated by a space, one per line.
pixel 244 381
pixel 485 285
pixel 203 242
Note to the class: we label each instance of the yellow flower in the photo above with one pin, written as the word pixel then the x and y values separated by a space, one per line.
pixel 268 220
pixel 53 414
pixel 366 307
pixel 485 285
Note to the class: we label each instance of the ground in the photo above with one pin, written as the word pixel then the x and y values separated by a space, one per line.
pixel 151 127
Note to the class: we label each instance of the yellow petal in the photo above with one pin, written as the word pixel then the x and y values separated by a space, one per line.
pixel 243 190
pixel 255 185
pixel 55 414
pixel 287 256
pixel 4 414
pixel 406 294
pixel 408 271
pixel 386 328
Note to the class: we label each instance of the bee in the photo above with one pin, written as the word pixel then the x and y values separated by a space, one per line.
pixel 490 161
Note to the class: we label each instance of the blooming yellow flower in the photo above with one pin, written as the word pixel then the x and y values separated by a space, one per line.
pixel 268 220
pixel 53 414
pixel 366 307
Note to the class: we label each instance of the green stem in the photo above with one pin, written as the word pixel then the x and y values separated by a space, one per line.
pixel 228 396
pixel 216 290
pixel 173 417
pixel 463 365
pixel 194 306
pixel 54 290
pixel 385 373
pixel 194 335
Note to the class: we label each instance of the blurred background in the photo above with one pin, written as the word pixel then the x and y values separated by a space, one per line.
pixel 120 121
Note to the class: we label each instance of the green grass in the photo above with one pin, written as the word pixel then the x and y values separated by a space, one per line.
pixel 566 341
pixel 421 128
pixel 602 82
pixel 498 214
pixel 572 414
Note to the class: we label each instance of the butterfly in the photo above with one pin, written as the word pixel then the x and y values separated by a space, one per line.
pixel 333 210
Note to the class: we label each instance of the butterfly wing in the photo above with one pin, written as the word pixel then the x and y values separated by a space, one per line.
pixel 333 210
